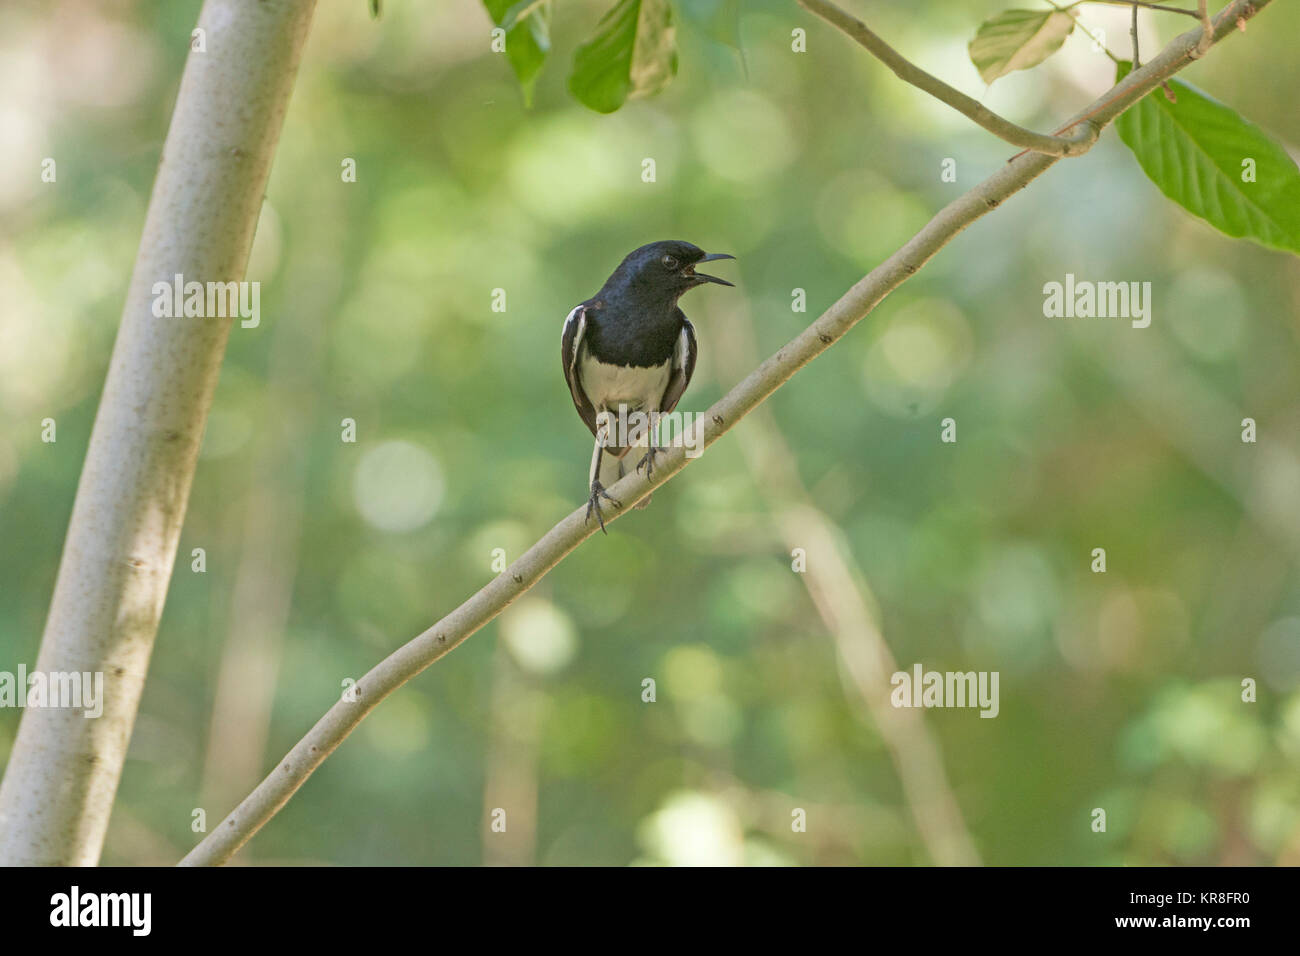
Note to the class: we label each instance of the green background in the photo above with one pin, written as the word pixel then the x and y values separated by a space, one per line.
pixel 1118 690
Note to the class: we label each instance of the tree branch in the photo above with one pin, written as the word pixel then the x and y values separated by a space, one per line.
pixel 1138 3
pixel 412 658
pixel 971 108
pixel 117 560
pixel 1133 31
pixel 1207 29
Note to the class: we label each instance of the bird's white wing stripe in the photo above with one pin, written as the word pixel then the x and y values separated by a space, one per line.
pixel 681 350
pixel 568 320
pixel 578 315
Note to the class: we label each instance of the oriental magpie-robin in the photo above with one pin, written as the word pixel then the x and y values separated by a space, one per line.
pixel 630 348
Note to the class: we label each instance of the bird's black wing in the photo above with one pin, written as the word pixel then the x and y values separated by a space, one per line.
pixel 683 366
pixel 570 347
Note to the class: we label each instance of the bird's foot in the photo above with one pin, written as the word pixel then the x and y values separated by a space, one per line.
pixel 648 461
pixel 593 503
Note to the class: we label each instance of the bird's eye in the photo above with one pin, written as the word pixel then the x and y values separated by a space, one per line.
pixel 669 262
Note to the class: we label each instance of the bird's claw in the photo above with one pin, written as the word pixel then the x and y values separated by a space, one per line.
pixel 648 461
pixel 593 503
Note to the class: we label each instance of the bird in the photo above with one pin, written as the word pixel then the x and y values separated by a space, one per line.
pixel 630 348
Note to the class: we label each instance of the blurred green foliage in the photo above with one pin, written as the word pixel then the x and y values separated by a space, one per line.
pixel 1119 690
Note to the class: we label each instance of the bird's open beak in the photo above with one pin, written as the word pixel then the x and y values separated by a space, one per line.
pixel 690 270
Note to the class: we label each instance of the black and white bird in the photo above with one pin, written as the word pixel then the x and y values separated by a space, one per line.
pixel 630 346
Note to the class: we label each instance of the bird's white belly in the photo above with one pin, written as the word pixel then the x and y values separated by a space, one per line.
pixel 609 386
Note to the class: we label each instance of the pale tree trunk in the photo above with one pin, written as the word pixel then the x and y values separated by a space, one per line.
pixel 117 560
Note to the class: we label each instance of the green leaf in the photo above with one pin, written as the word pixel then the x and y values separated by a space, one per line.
pixel 632 53
pixel 1017 40
pixel 376 8
pixel 1195 150
pixel 528 37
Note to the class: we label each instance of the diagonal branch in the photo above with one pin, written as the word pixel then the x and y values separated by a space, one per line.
pixel 412 658
pixel 971 108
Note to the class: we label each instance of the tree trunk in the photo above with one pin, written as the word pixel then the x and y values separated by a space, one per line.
pixel 63 773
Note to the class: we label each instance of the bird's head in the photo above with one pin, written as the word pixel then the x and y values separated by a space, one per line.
pixel 667 268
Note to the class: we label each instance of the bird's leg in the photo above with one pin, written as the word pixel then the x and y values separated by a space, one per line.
pixel 648 459
pixel 593 503
pixel 597 489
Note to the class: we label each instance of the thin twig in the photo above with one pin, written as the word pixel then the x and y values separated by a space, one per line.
pixel 1139 3
pixel 412 658
pixel 1207 29
pixel 1219 29
pixel 1137 54
pixel 971 108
